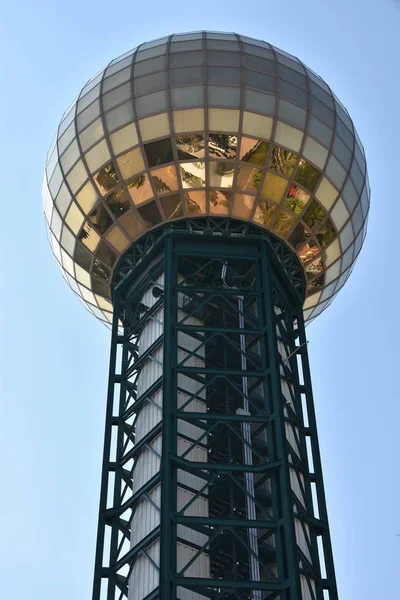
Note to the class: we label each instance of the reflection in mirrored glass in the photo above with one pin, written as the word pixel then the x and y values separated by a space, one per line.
pixel 106 254
pixel 298 236
pixel 282 161
pixel 307 175
pixel 242 206
pixel 221 173
pixel 117 239
pixel 264 213
pixel 326 233
pixel 283 223
pixel 296 199
pixel 159 153
pixel 172 206
pixel 139 188
pixel 101 270
pixel 100 218
pixel 193 174
pixel 107 178
pixel 309 251
pixel 254 151
pixel 165 179
pixel 274 187
pixel 249 178
pixel 195 202
pixel 89 237
pixel 131 163
pixel 100 287
pixel 132 224
pixel 190 146
pixel 83 257
pixel 221 145
pixel 118 202
pixel 219 202
pixel 87 197
pixel 314 215
pixel 150 214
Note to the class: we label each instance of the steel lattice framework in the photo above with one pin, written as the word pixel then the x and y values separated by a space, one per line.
pixel 236 424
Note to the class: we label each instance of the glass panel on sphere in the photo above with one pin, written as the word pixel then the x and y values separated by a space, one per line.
pixel 83 256
pixel 326 193
pixel 116 80
pixel 257 125
pixel 88 115
pixel 117 239
pixel 259 81
pixel 132 224
pixel 121 62
pixel 68 264
pixel 321 111
pixel 63 142
pixel 106 178
pixel 219 202
pixel 345 134
pixel 172 206
pixel 67 120
pixel 150 214
pixel 185 76
pixel 102 302
pixel 314 152
pixel 223 45
pixel 185 59
pixel 282 161
pixel 150 53
pixel 309 251
pixel 347 258
pixel 222 145
pixel 131 163
pixel 242 206
pixel 322 96
pixel 249 179
pixel 293 76
pixel 124 138
pixel 154 127
pixel 55 181
pixel 150 66
pixel 357 219
pixel 259 102
pixel 181 37
pixel 293 93
pixel 117 117
pixel 139 188
pixel 283 223
pixel 56 224
pixel 101 270
pixel 165 179
pixel 106 255
pixel 224 76
pixel 91 135
pixel 339 214
pixel 100 218
pixel 307 175
pixel 314 268
pixel 152 103
pixel 88 98
pixel 292 114
pixel 187 97
pixel 319 131
pixel 190 146
pixel 195 202
pixel 89 237
pixel 87 197
pixel 274 187
pixel 314 215
pixel 83 277
pixel 221 173
pixel 288 136
pixel 259 64
pixel 229 59
pixel 223 96
pixel 350 195
pixel 264 213
pixel 254 151
pixel 223 120
pixel 150 83
pixel 74 218
pixel 97 156
pixel 346 236
pixel 332 253
pixel 117 96
pixel 193 175
pixel 118 202
pixel 188 120
pixel 298 236
pixel 296 199
pixel 76 177
pixel 258 50
pixel 342 153
pixel 67 240
pixel 186 46
pixel 63 199
pixel 159 153
pixel 357 177
pixel 326 233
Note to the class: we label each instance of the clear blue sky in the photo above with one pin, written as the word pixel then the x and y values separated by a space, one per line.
pixel 54 355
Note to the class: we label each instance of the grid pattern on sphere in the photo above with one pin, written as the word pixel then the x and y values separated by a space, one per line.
pixel 205 124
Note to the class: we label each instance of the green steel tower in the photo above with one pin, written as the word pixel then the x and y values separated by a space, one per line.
pixel 205 196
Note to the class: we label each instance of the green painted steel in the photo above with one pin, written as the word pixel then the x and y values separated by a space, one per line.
pixel 238 427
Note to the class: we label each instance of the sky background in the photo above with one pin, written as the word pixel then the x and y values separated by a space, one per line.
pixel 54 355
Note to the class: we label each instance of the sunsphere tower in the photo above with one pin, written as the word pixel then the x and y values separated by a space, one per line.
pixel 206 195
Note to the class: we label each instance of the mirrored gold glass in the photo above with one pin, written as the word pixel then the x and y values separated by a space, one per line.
pixel 132 225
pixel 314 215
pixel 195 202
pixel 307 175
pixel 89 236
pixel 100 218
pixel 107 178
pixel 264 213
pixel 87 197
pixel 159 153
pixel 326 234
pixel 221 173
pixel 283 223
pixel 221 145
pixel 131 163
pixel 165 179
pixel 249 179
pixel 296 199
pixel 309 251
pixel 117 239
pixel 193 175
pixel 274 187
pixel 219 202
pixel 118 202
pixel 190 146
pixel 172 206
pixel 139 188
pixel 254 151
pixel 242 206
pixel 150 214
pixel 282 161
pixel 298 236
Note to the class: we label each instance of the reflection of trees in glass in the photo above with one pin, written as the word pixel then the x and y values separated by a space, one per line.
pixel 117 202
pixel 307 175
pixel 283 223
pixel 296 199
pixel 137 182
pixel 107 178
pixel 172 206
pixel 326 234
pixel 256 178
pixel 100 218
pixel 225 168
pixel 189 178
pixel 298 236
pixel 218 198
pixel 314 215
pixel 265 212
pixel 282 161
pixel 161 186
pixel 258 154
pixel 314 268
pixel 222 145
pixel 191 205
pixel 317 283
pixel 190 145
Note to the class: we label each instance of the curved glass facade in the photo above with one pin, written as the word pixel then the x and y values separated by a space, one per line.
pixel 205 124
